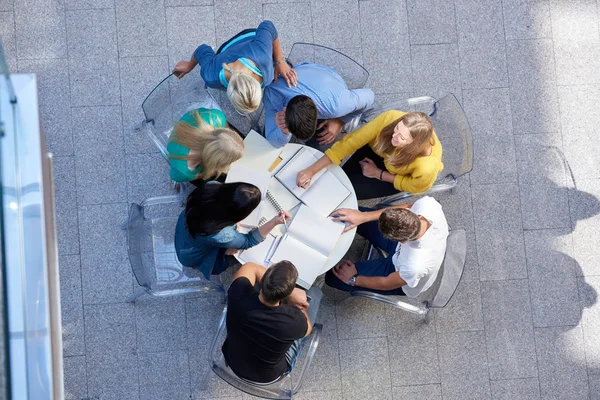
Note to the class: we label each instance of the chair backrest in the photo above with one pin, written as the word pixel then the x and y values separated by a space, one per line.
pixel 283 388
pixel 168 102
pixel 354 74
pixel 150 245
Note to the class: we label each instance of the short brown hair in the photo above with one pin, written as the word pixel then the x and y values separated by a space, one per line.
pixel 399 224
pixel 279 281
pixel 301 117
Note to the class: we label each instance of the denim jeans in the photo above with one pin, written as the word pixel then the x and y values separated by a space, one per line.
pixel 381 267
pixel 294 352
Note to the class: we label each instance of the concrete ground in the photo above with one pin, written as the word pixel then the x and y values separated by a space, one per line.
pixel 522 323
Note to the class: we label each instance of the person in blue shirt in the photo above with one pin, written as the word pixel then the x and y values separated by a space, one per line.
pixel 206 231
pixel 243 66
pixel 321 94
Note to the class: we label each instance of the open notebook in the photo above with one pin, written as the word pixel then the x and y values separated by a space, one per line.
pixel 325 192
pixel 307 244
pixel 258 152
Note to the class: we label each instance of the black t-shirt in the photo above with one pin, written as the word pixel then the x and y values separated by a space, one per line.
pixel 258 336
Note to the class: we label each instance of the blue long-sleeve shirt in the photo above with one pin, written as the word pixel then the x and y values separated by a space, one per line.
pixel 208 252
pixel 325 87
pixel 258 48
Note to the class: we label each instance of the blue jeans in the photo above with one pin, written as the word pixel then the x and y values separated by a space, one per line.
pixel 381 267
pixel 295 350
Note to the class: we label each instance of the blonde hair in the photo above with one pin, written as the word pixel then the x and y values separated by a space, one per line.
pixel 213 149
pixel 421 129
pixel 243 91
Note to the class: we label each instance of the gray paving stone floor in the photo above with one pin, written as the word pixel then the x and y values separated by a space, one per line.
pixel 525 319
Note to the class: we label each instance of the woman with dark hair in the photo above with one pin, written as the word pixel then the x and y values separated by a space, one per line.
pixel 206 231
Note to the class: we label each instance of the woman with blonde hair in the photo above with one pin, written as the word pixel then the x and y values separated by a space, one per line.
pixel 397 151
pixel 202 147
pixel 243 66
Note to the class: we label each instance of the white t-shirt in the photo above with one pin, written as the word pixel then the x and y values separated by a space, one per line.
pixel 418 261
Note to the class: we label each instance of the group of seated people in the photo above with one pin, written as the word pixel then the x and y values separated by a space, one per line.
pixel 268 314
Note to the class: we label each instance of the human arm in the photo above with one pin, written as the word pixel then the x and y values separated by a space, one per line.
pixel 273 104
pixel 420 179
pixel 352 101
pixel 280 218
pixel 303 178
pixel 332 127
pixel 203 52
pixel 347 270
pixel 353 218
pixel 282 67
pixel 251 271
pixel 298 298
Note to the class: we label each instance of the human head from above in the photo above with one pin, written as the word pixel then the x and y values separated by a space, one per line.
pixel 244 92
pixel 301 117
pixel 399 224
pixel 406 138
pixel 214 206
pixel 213 149
pixel 279 281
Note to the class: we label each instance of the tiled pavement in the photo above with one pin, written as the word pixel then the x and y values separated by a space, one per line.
pixel 524 321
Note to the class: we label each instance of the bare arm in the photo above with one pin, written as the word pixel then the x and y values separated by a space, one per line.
pixel 303 178
pixel 253 272
pixel 390 282
pixel 354 218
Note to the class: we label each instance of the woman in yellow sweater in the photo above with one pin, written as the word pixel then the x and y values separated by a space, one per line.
pixel 397 151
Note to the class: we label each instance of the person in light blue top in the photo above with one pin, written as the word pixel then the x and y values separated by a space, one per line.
pixel 243 66
pixel 321 94
pixel 207 231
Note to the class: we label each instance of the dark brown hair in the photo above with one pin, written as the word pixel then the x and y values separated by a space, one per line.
pixel 301 117
pixel 279 281
pixel 399 224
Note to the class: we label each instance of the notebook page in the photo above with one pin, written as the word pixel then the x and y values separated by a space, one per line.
pixel 242 173
pixel 258 254
pixel 307 261
pixel 326 194
pixel 282 196
pixel 319 232
pixel 258 152
pixel 287 175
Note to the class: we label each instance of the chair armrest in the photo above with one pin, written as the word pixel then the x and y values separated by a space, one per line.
pixel 217 338
pixel 399 303
pixel 152 201
pixel 313 343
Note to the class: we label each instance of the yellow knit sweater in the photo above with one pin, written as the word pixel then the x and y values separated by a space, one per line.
pixel 416 177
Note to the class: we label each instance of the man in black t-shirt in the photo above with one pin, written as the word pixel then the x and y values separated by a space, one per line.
pixel 264 327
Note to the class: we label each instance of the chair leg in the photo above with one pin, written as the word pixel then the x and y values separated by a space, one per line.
pixel 135 295
pixel 125 224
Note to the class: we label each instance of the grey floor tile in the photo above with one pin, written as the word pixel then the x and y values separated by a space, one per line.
pixel 526 19
pixel 457 206
pixel 88 4
pixel 463 366
pixel 576 22
pixel 160 324
pixel 41 31
pixel 488 111
pixel 463 312
pixel 98 129
pixel 431 22
pixel 320 395
pixel 589 287
pixel 113 375
pixel 497 214
pixel 292 22
pixel 530 63
pixel 91 33
pixel 540 159
pixel 561 363
pixel 94 81
pixel 494 160
pixel 7 34
pixel 227 24
pixel 334 21
pixel 6 5
pixel 106 272
pixel 65 192
pixel 75 378
pixel 54 102
pixel 509 329
pixel 576 64
pixel 594 387
pixel 360 318
pixel 471 15
pixel 367 393
pixel 141 28
pixel 164 375
pixel 184 34
pixel 548 262
pixel 483 65
pixel 71 306
pixel 420 392
pixel 181 3
pixel 110 328
pixel 364 363
pixel 525 389
pixel 149 181
pixel 545 205
pixel 436 70
pixel 585 215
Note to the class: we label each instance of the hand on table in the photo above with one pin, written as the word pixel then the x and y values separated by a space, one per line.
pixel 345 271
pixel 280 121
pixel 182 68
pixel 230 252
pixel 352 218
pixel 369 169
pixel 298 298
pixel 333 127
pixel 284 69
pixel 303 178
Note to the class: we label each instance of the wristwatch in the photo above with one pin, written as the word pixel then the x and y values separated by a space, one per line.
pixel 352 280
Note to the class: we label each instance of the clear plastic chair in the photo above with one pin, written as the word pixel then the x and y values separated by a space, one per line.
pixel 285 387
pixel 150 244
pixel 453 130
pixel 440 293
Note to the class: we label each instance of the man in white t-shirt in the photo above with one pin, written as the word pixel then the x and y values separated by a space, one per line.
pixel 414 236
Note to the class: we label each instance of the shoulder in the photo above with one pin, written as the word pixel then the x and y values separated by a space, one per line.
pixel 429 208
pixel 240 288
